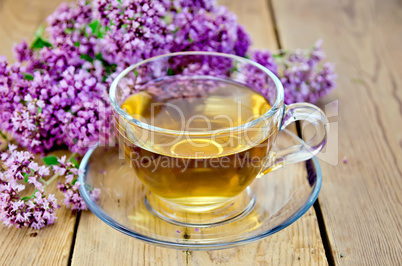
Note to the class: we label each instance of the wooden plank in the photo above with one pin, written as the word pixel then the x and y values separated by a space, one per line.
pixel 254 15
pixel 299 244
pixel 20 19
pixel 51 245
pixel 361 200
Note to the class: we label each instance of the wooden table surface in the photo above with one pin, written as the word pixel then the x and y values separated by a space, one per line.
pixel 358 217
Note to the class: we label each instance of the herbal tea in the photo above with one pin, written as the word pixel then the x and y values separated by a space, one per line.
pixel 196 169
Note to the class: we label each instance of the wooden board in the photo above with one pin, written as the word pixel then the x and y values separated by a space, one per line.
pixel 255 16
pixel 300 243
pixel 20 19
pixel 51 245
pixel 361 200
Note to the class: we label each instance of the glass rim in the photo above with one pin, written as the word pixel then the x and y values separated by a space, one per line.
pixel 251 124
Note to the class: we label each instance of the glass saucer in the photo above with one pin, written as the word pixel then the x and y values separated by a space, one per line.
pixel 281 197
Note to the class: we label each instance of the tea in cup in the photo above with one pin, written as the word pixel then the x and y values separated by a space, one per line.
pixel 198 129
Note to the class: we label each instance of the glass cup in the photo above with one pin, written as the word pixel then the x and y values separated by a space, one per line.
pixel 199 127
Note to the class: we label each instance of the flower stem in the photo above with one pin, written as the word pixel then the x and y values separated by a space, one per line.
pixel 29 197
pixel 55 176
pixel 89 187
pixel 49 181
pixel 72 156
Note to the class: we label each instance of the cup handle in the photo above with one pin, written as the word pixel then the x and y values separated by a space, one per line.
pixel 307 149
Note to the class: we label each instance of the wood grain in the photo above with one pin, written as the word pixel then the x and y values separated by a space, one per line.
pixel 255 16
pixel 51 245
pixel 361 200
pixel 20 19
pixel 299 244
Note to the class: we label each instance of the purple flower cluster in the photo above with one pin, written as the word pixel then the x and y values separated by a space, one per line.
pixel 71 185
pixel 57 97
pixel 208 5
pixel 18 170
pixel 35 211
pixel 199 30
pixel 57 92
pixel 304 76
pixel 48 109
pixel 20 165
pixel 259 80
pixel 137 30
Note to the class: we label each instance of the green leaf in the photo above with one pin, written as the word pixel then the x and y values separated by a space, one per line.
pixel 40 42
pixel 96 28
pixel 87 58
pixel 170 72
pixel 68 31
pixel 135 73
pixel 26 176
pixel 74 181
pixel 102 32
pixel 74 161
pixel 30 197
pixel 99 57
pixel 3 135
pixel 26 198
pixel 77 44
pixel 50 160
pixel 39 110
pixel 94 25
pixel 28 76
pixel 110 68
